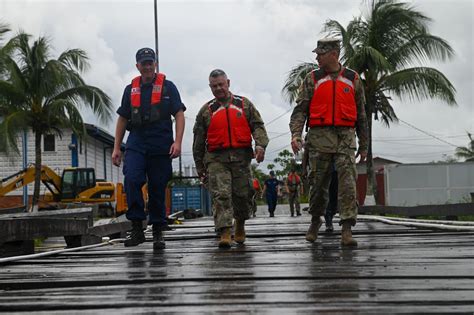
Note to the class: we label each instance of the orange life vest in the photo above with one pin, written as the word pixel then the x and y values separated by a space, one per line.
pixel 256 184
pixel 293 181
pixel 229 127
pixel 135 99
pixel 333 102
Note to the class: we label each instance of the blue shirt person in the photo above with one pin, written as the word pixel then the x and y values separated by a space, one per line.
pixel 271 189
pixel 148 104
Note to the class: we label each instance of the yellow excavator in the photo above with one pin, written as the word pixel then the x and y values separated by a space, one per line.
pixel 76 185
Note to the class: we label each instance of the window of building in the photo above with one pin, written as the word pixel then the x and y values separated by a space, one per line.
pixel 49 143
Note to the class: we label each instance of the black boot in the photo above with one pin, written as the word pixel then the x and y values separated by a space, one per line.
pixel 158 239
pixel 136 235
pixel 328 218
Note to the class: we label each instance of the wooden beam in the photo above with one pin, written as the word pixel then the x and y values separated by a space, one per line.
pixel 29 228
pixel 63 213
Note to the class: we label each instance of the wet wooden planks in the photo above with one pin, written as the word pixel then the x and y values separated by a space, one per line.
pixel 394 269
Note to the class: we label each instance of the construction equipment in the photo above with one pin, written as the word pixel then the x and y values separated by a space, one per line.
pixel 76 185
pixel 121 198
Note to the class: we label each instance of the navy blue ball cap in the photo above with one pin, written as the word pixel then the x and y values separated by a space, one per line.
pixel 145 54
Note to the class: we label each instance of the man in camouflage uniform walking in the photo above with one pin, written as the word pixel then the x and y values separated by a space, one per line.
pixel 332 99
pixel 293 187
pixel 222 150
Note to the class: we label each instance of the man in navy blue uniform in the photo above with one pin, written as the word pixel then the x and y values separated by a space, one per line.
pixel 147 106
pixel 271 190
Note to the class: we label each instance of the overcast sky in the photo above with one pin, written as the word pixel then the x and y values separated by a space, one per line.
pixel 256 43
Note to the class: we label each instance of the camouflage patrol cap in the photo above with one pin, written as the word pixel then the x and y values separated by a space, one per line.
pixel 327 44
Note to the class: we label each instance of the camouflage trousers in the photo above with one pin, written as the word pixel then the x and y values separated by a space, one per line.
pixel 320 178
pixel 254 202
pixel 294 201
pixel 230 185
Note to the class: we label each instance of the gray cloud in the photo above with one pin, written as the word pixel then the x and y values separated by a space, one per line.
pixel 257 43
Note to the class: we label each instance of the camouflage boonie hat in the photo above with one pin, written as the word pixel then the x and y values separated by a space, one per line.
pixel 327 44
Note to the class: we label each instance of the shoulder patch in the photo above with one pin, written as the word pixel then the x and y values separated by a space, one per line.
pixel 349 74
pixel 213 105
pixel 318 74
pixel 238 101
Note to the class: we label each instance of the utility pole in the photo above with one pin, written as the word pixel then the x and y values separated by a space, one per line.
pixel 158 65
pixel 25 164
pixel 156 36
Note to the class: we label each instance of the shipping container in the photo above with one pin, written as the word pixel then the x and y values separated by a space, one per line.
pixel 190 197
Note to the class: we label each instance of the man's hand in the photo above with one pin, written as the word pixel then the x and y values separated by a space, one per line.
pixel 202 175
pixel 117 157
pixel 175 150
pixel 259 154
pixel 363 156
pixel 296 144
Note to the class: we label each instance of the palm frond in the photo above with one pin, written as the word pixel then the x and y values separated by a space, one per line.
pixel 368 58
pixel 466 153
pixel 11 94
pixel 421 48
pixel 10 128
pixel 420 83
pixel 75 59
pixel 89 96
pixel 294 80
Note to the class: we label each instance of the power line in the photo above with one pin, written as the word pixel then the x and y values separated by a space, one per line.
pixel 283 147
pixel 427 133
pixel 275 119
pixel 411 138
pixel 283 134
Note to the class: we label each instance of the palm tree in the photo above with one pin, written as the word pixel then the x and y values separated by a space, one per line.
pixel 3 51
pixel 44 95
pixel 467 152
pixel 387 47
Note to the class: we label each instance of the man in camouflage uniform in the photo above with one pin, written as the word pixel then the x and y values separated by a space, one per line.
pixel 222 150
pixel 293 187
pixel 332 100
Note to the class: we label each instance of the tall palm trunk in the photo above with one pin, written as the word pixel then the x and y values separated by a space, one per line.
pixel 369 112
pixel 372 182
pixel 36 190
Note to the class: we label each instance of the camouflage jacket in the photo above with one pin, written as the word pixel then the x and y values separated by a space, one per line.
pixel 203 119
pixel 329 139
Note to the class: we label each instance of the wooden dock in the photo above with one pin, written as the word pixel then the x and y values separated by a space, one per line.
pixel 394 270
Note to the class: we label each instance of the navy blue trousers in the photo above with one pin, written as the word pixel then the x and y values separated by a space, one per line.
pixel 139 169
pixel 271 201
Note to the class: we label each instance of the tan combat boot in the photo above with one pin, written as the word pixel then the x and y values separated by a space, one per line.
pixel 346 235
pixel 312 234
pixel 226 237
pixel 239 236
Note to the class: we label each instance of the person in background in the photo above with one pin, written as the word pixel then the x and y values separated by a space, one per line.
pixel 293 187
pixel 257 193
pixel 271 190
